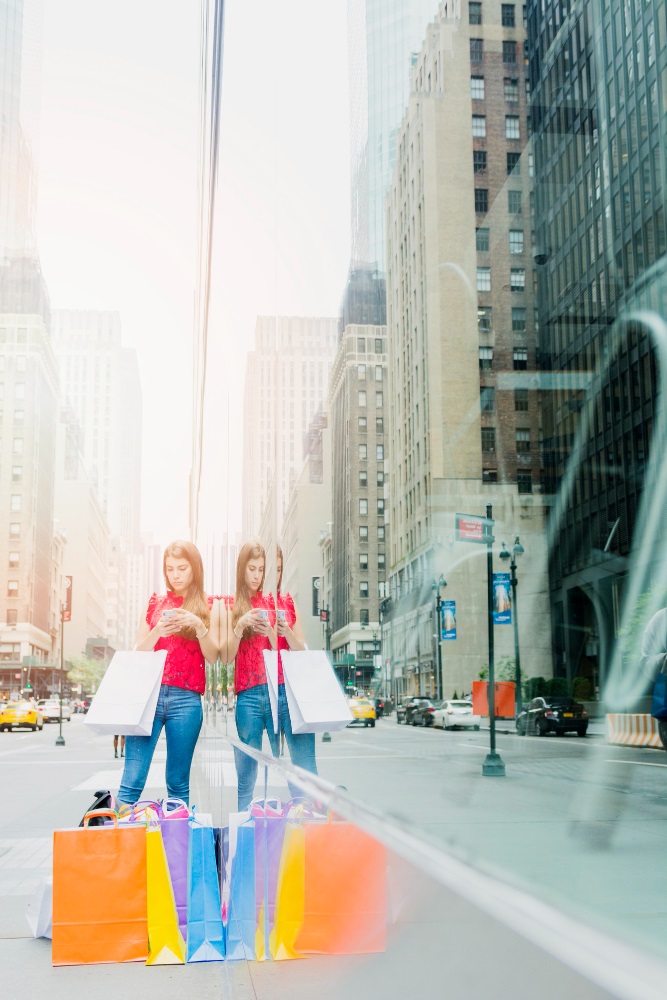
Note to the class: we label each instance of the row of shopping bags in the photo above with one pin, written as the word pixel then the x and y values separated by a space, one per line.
pixel 157 885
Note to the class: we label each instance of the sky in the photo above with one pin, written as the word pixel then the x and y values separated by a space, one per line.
pixel 118 205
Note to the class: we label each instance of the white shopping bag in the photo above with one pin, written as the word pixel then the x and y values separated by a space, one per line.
pixel 125 702
pixel 40 908
pixel 271 667
pixel 314 696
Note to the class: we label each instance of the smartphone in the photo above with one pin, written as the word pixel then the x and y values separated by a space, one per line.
pixel 168 613
pixel 263 614
pixel 281 614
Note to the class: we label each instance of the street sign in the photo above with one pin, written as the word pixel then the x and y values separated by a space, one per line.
pixel 315 597
pixel 502 600
pixel 472 528
pixel 448 620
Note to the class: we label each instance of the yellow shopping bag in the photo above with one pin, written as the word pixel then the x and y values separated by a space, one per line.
pixel 165 941
pixel 290 895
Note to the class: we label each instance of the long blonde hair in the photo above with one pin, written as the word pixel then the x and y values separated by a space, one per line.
pixel 242 602
pixel 195 599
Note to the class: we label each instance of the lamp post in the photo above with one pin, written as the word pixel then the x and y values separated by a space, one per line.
pixel 60 739
pixel 517 551
pixel 437 587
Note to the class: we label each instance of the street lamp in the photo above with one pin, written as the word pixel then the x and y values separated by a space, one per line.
pixel 517 551
pixel 437 587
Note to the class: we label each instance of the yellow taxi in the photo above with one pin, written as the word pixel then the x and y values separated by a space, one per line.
pixel 362 710
pixel 20 715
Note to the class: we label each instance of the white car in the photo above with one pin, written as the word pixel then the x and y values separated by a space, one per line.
pixel 50 709
pixel 452 714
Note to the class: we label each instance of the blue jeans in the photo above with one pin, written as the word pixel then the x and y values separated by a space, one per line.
pixel 253 716
pixel 180 712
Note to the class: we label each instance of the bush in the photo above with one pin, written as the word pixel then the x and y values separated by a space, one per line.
pixel 556 687
pixel 582 689
pixel 534 687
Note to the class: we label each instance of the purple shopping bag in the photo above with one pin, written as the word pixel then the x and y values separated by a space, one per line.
pixel 175 835
pixel 269 836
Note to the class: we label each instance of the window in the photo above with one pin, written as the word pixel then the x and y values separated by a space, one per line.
pixel 361 372
pixel 380 507
pixel 483 279
pixel 379 452
pixel 380 532
pixel 14 530
pixel 12 616
pixel 507 18
pixel 511 89
pixel 17 473
pixel 518 280
pixel 363 616
pixel 520 359
pixel 518 319
pixel 524 482
pixel 363 560
pixel 13 559
pixel 361 345
pixel 362 423
pixel 476 50
pixel 379 345
pixel 485 359
pixel 484 319
pixel 512 130
pixel 362 397
pixel 477 88
pixel 380 478
pixel 363 477
pixel 513 163
pixel 381 561
pixel 520 400
pixel 363 452
pixel 482 239
pixel 509 53
pixel 474 13
pixel 488 439
pixel 19 416
pixel 481 200
pixel 20 362
pixel 523 440
pixel 363 532
pixel 489 475
pixel 16 502
pixel 378 373
pixel 19 390
pixel 516 240
pixel 12 588
pixel 378 399
pixel 479 126
pixel 379 425
pixel 487 398
pixel 363 508
pixel 479 161
pixel 363 588
pixel 514 202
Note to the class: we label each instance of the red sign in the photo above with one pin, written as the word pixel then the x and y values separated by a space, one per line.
pixel 324 616
pixel 67 606
pixel 470 528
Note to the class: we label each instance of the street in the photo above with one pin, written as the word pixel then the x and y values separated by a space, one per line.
pixel 577 822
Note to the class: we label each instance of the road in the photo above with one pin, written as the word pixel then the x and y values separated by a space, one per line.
pixel 579 823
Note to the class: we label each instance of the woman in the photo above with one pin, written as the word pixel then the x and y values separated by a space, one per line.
pixel 180 621
pixel 251 628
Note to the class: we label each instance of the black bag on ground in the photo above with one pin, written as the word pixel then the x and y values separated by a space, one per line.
pixel 103 800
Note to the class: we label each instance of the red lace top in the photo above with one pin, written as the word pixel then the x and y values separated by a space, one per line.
pixel 249 661
pixel 286 604
pixel 184 666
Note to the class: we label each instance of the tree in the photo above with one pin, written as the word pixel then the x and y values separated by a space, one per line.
pixel 87 672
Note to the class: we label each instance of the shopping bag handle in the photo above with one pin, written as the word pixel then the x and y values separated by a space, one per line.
pixel 129 811
pixel 174 809
pixel 94 813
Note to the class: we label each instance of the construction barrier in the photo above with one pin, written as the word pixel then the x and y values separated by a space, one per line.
pixel 503 699
pixel 633 730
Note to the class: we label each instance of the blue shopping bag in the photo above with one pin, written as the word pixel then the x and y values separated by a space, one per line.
pixel 659 700
pixel 206 938
pixel 242 918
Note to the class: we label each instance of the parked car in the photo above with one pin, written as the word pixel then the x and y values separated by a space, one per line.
pixel 50 708
pixel 406 706
pixel 21 715
pixel 456 714
pixel 362 710
pixel 552 715
pixel 422 713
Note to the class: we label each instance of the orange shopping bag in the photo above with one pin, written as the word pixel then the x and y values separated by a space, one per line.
pixel 99 894
pixel 345 891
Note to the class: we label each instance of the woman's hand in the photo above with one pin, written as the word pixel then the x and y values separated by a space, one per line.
pixel 186 619
pixel 167 626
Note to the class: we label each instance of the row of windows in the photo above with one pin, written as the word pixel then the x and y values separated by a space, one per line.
pixel 487 399
pixel 19 416
pixel 516 246
pixel 363 560
pixel 361 345
pixel 362 397
pixel 363 477
pixel 362 424
pixel 19 390
pixel 522 439
pixel 19 360
pixel 363 507
pixel 511 52
pixel 520 358
pixel 507 14
pixel 379 452
pixel 517 280
pixel 361 372
pixel 510 89
pixel 524 479
pixel 512 127
pixel 519 319
pixel 363 533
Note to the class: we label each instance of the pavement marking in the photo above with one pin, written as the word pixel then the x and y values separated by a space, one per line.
pixel 111 779
pixel 642 763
